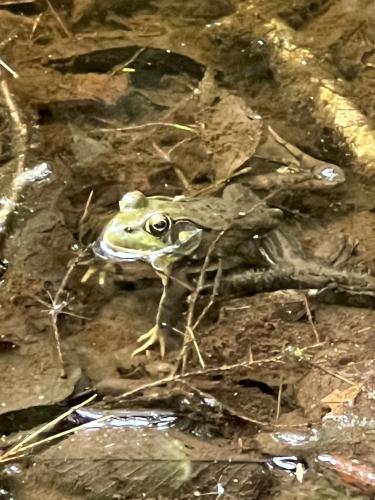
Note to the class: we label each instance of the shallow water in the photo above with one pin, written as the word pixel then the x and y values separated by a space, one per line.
pixel 174 98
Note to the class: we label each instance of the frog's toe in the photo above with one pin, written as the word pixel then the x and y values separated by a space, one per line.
pixel 153 336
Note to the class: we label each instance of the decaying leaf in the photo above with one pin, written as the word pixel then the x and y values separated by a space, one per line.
pixel 338 399
pixel 231 134
pixel 110 462
pixel 51 86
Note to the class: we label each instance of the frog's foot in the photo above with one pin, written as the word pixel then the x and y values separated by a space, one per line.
pixel 153 336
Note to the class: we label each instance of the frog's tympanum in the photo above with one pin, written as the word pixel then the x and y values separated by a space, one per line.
pixel 174 235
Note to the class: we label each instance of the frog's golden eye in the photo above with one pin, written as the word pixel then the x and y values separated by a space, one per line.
pixel 158 224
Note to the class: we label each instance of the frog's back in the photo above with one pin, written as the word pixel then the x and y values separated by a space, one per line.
pixel 238 207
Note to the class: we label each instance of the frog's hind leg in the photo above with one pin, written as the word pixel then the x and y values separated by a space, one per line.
pixel 301 158
pixel 325 171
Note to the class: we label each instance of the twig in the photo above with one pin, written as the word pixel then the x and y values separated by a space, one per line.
pixel 8 68
pixel 35 25
pixel 310 318
pixel 203 371
pixel 299 355
pixel 59 19
pixel 166 155
pixel 129 61
pixel 84 215
pixel 19 139
pixel 151 124
pixel 279 394
pixel 182 178
pixel 215 290
pixel 45 427
pixel 64 433
pixel 189 329
pixel 330 372
pixel 189 336
pixel 57 303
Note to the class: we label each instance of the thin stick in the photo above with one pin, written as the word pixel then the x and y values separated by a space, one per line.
pixel 182 178
pixel 19 139
pixel 279 394
pixel 330 372
pixel 57 304
pixel 56 309
pixel 166 155
pixel 10 459
pixel 84 215
pixel 8 68
pixel 151 124
pixel 129 61
pixel 56 334
pixel 215 290
pixel 189 334
pixel 59 20
pixel 203 371
pixel 65 433
pixel 45 427
pixel 310 318
pixel 189 331
pixel 35 25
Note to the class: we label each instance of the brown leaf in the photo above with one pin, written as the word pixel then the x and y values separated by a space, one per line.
pixel 338 400
pixel 231 133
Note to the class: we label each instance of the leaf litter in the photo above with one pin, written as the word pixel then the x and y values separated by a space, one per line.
pixel 177 120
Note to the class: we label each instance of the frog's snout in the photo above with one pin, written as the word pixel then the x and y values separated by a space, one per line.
pixel 329 174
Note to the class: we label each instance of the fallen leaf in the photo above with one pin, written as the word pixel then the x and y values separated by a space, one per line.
pixel 338 400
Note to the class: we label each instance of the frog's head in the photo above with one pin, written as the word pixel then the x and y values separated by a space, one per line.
pixel 150 229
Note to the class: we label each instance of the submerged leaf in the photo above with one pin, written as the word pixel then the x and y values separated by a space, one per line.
pixel 108 463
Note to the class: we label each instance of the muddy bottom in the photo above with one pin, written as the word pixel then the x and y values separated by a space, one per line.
pixel 266 386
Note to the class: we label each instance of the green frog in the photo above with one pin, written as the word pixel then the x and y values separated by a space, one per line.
pixel 243 236
pixel 174 235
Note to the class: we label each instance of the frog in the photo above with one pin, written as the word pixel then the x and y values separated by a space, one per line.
pixel 248 239
pixel 174 234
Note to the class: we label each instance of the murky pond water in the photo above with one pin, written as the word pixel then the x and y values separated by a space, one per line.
pixel 187 249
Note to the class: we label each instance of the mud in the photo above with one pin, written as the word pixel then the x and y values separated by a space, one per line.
pixel 171 98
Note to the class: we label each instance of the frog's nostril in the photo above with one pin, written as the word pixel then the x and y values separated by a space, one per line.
pixel 128 229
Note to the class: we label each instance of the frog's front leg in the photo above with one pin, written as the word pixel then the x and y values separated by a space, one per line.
pixel 172 301
pixel 157 333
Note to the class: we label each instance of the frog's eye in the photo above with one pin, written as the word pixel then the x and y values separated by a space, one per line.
pixel 158 224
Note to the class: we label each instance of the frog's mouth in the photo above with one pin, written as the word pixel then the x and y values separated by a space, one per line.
pixel 105 251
